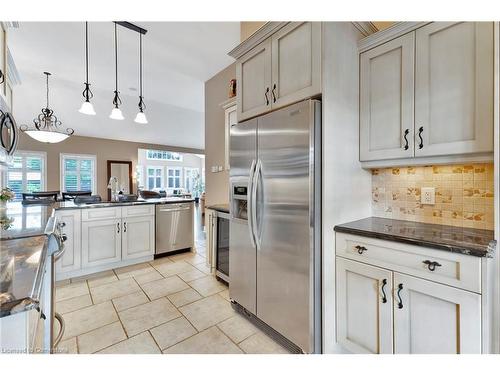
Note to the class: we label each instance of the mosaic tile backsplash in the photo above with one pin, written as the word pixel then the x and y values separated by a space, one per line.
pixel 464 194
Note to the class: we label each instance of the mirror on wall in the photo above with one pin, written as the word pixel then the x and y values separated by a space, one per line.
pixel 122 170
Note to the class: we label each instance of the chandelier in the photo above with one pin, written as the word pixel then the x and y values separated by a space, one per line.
pixel 48 128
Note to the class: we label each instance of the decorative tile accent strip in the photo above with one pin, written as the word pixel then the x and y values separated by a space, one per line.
pixel 464 194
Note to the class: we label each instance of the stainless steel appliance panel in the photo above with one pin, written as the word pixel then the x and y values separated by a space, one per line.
pixel 222 246
pixel 284 222
pixel 242 260
pixel 174 227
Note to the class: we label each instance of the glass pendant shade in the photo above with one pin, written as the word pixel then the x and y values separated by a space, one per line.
pixel 141 118
pixel 116 114
pixel 87 108
pixel 47 136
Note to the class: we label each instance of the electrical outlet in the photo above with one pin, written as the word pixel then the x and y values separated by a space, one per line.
pixel 214 168
pixel 221 168
pixel 428 195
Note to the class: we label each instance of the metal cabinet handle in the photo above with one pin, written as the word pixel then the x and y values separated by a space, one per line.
pixel 118 227
pixel 407 131
pixel 400 303
pixel 2 77
pixel 61 331
pixel 420 131
pixel 431 265
pixel 124 227
pixel 64 237
pixel 61 224
pixel 265 94
pixel 274 93
pixel 42 315
pixel 361 249
pixel 384 297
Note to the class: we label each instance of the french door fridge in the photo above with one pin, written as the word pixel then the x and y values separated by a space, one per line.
pixel 275 224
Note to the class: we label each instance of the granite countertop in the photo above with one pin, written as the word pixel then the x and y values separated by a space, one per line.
pixel 21 261
pixel 20 220
pixel 222 207
pixel 469 241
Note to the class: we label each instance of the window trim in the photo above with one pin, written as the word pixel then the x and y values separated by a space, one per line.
pixel 185 176
pixel 24 154
pixel 181 177
pixel 162 176
pixel 62 156
pixel 181 157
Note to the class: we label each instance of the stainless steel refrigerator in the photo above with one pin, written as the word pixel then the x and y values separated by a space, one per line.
pixel 275 223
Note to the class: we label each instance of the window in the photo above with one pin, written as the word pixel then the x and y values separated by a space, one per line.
pixel 163 155
pixel 191 175
pixel 26 173
pixel 155 178
pixel 174 177
pixel 78 172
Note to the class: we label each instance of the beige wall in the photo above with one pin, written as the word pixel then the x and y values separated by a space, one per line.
pixel 248 28
pixel 216 92
pixel 104 149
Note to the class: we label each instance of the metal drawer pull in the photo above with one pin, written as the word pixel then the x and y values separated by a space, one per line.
pixel 265 94
pixel 384 297
pixel 274 93
pixel 400 303
pixel 118 227
pixel 361 249
pixel 124 227
pixel 61 332
pixel 421 144
pixel 431 265
pixel 406 139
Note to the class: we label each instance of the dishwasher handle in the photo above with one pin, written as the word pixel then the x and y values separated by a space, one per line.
pixel 174 209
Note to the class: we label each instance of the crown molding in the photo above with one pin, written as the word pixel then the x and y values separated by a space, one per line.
pixel 228 103
pixel 390 33
pixel 365 28
pixel 256 38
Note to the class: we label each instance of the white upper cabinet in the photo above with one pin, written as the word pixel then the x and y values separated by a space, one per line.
pixel 430 89
pixel 386 100
pixel 296 63
pixel 364 308
pixel 253 88
pixel 454 88
pixel 431 318
pixel 282 69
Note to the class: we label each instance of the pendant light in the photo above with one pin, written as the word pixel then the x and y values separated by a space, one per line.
pixel 116 113
pixel 87 108
pixel 47 125
pixel 141 116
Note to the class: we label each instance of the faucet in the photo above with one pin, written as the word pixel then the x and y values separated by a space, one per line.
pixel 113 185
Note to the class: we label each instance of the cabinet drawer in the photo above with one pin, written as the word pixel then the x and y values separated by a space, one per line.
pixel 461 271
pixel 91 214
pixel 138 210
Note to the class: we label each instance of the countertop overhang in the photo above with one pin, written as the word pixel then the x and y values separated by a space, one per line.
pixel 469 241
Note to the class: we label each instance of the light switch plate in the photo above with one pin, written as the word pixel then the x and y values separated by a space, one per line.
pixel 221 168
pixel 428 195
pixel 214 168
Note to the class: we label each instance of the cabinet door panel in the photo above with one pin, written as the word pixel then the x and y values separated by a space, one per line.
pixel 296 63
pixel 138 239
pixel 434 318
pixel 101 242
pixel 454 88
pixel 364 320
pixel 71 258
pixel 386 100
pixel 253 74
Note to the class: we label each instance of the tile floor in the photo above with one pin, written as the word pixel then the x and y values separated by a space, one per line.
pixel 169 305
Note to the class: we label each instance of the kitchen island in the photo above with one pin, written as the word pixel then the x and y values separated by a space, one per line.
pixel 99 236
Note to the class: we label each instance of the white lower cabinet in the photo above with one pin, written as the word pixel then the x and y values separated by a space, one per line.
pixel 364 307
pixel 431 318
pixel 71 258
pixel 381 310
pixel 101 242
pixel 138 237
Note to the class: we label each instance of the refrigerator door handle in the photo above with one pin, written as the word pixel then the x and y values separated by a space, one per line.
pixel 255 183
pixel 250 203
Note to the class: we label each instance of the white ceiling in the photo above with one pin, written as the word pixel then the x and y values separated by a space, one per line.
pixel 178 58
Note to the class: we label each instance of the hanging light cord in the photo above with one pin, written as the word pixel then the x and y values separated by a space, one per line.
pixel 116 100
pixel 47 76
pixel 142 106
pixel 87 94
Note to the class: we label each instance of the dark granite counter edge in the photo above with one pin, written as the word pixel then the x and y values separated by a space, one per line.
pixel 219 207
pixel 119 204
pixel 417 242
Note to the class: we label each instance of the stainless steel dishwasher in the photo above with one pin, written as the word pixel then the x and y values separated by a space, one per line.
pixel 174 227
